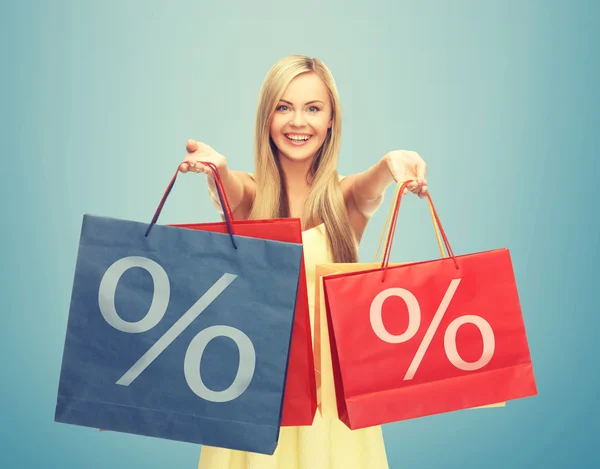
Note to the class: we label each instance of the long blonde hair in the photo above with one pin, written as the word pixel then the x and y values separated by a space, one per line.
pixel 325 200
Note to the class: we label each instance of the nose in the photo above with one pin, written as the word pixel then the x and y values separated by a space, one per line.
pixel 297 119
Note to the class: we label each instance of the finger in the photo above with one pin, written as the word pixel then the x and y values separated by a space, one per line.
pixel 203 168
pixel 405 191
pixel 191 166
pixel 424 192
pixel 184 167
pixel 191 146
pixel 199 166
pixel 413 186
pixel 209 172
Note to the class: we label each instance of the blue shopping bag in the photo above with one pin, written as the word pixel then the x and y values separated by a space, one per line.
pixel 179 334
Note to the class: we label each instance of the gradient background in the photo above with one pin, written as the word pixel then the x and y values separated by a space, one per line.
pixel 500 98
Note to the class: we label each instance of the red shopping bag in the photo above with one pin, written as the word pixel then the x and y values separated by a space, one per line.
pixel 428 337
pixel 300 396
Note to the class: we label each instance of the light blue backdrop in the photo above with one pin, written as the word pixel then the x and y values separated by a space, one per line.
pixel 500 98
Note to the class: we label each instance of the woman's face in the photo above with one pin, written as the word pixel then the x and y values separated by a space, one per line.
pixel 302 117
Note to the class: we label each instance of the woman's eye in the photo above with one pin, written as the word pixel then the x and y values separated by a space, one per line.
pixel 283 107
pixel 313 109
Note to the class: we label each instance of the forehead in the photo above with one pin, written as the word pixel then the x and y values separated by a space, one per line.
pixel 306 87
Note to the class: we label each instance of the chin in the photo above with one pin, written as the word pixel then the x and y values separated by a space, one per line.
pixel 297 157
pixel 298 154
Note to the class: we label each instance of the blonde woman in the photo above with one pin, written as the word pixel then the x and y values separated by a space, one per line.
pixel 297 142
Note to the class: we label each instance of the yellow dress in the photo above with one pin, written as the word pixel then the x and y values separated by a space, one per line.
pixel 327 443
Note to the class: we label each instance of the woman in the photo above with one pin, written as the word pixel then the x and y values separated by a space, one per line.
pixel 297 141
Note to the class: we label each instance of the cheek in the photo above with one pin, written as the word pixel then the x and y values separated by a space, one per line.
pixel 276 126
pixel 322 125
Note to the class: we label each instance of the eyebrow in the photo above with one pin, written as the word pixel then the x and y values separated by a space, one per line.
pixel 310 102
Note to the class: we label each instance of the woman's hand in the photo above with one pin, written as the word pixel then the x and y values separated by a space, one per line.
pixel 235 192
pixel 408 165
pixel 198 151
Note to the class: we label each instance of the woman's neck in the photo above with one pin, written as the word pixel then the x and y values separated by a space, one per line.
pixel 297 182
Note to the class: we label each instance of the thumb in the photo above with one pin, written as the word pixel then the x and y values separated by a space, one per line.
pixel 191 146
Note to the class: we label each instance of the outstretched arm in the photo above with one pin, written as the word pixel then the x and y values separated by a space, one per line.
pixel 364 192
pixel 368 188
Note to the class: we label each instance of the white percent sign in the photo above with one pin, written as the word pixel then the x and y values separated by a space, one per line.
pixel 414 321
pixel 157 310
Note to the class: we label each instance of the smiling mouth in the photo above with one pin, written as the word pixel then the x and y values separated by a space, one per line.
pixel 298 139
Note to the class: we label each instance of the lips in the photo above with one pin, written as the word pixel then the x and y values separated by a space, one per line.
pixel 298 139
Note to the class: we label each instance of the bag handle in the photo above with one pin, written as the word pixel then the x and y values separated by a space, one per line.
pixel 390 237
pixel 220 190
pixel 387 221
pixel 222 199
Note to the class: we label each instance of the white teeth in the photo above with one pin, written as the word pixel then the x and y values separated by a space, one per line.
pixel 298 138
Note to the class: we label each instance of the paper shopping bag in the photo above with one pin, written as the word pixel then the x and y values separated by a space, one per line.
pixel 435 336
pixel 326 398
pixel 323 364
pixel 300 399
pixel 179 334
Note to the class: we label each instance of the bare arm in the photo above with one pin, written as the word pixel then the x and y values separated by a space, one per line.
pixel 239 187
pixel 364 192
pixel 368 188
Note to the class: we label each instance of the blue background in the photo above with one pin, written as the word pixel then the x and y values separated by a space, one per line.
pixel 500 98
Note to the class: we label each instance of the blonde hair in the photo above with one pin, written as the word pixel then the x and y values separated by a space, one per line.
pixel 325 200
